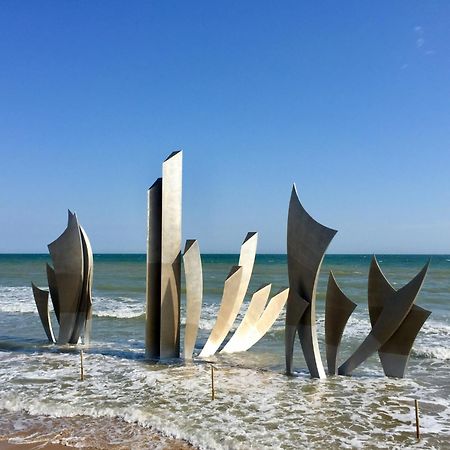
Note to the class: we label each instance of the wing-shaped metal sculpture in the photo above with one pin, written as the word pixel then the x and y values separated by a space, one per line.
pixel 70 283
pixel 267 319
pixel 246 262
pixel 194 294
pixel 295 308
pixel 171 256
pixel 53 288
pixel 67 256
pixel 338 309
pixel 394 354
pixel 307 241
pixel 229 309
pixel 395 310
pixel 41 299
pixel 84 317
pixel 238 342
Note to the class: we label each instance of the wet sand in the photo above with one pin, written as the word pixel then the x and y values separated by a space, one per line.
pixel 4 445
pixel 22 431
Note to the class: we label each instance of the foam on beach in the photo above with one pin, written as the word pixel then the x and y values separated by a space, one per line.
pixel 261 407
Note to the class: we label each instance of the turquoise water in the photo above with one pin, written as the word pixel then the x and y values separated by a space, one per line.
pixel 257 406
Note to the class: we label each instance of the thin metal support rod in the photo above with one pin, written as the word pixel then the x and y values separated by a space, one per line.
pixel 81 366
pixel 213 394
pixel 416 404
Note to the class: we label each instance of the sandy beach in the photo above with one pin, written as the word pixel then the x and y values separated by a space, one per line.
pixel 20 431
pixel 5 445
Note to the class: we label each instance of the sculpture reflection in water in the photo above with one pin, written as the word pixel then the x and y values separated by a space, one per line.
pixel 70 286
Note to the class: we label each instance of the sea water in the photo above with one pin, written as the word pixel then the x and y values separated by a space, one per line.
pixel 256 405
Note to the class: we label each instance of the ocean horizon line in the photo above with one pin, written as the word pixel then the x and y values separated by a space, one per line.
pixel 237 254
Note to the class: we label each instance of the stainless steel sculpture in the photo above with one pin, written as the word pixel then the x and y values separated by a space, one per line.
pixel 162 336
pixel 171 256
pixel 233 295
pixel 70 284
pixel 307 241
pixel 253 313
pixel 246 261
pixel 229 309
pixel 257 321
pixel 395 308
pixel 53 288
pixel 153 294
pixel 41 299
pixel 84 320
pixel 394 354
pixel 338 309
pixel 67 257
pixel 194 294
pixel 164 262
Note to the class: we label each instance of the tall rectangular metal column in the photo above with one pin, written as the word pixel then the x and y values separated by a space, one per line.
pixel 153 293
pixel 171 256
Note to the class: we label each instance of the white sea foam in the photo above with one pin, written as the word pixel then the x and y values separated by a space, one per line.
pixel 434 352
pixel 119 307
pixel 17 299
pixel 253 409
pixel 436 328
pixel 20 299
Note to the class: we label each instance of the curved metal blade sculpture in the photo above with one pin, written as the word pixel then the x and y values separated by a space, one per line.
pixel 253 313
pixel 229 309
pixel 232 301
pixel 394 354
pixel 256 324
pixel 307 241
pixel 259 328
pixel 390 308
pixel 194 294
pixel 258 318
pixel 67 257
pixel 70 285
pixel 41 299
pixel 53 288
pixel 338 309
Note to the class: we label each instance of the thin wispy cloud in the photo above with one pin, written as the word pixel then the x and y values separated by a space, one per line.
pixel 420 41
pixel 422 45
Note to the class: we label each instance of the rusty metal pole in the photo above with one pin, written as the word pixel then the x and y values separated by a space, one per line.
pixel 213 394
pixel 81 366
pixel 416 404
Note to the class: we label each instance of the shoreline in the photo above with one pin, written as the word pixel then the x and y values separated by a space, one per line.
pixel 23 431
pixel 6 445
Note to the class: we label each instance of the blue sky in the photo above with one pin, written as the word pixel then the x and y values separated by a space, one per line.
pixel 349 100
